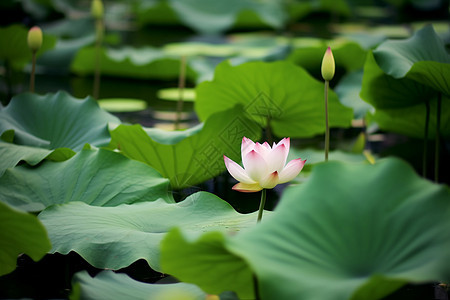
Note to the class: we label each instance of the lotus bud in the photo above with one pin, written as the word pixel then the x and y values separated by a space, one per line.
pixel 328 65
pixel 34 38
pixel 97 9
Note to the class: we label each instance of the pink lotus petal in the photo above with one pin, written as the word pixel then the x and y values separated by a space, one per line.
pixel 262 150
pixel 277 158
pixel 255 166
pixel 246 146
pixel 237 171
pixel 291 170
pixel 247 188
pixel 266 145
pixel 270 181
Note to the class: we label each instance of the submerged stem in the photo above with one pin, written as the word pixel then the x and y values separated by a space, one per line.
pixel 327 129
pixel 425 139
pixel 262 204
pixel 33 72
pixel 438 135
pixel 181 85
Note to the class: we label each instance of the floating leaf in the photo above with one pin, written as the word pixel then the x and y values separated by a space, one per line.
pixel 281 91
pixel 188 158
pixel 115 237
pixel 131 62
pixel 122 105
pixel 56 121
pixel 109 285
pixel 422 58
pixel 20 232
pixel 358 242
pixel 173 94
pixel 102 178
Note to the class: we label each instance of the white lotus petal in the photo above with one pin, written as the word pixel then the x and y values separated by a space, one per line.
pixel 291 170
pixel 247 188
pixel 270 181
pixel 246 146
pixel 276 159
pixel 237 171
pixel 255 165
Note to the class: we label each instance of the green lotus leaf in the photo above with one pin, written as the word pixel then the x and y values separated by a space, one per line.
pixel 173 94
pixel 122 104
pixel 300 9
pixel 12 154
pixel 363 241
pixel 400 103
pixel 348 89
pixel 423 58
pixel 89 176
pixel 131 62
pixel 14 47
pixel 56 121
pixel 115 237
pixel 188 158
pixel 109 285
pixel 20 233
pixel 213 17
pixel 281 91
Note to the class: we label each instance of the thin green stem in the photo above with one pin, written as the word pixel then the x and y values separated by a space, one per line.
pixel 269 137
pixel 98 43
pixel 181 85
pixel 256 287
pixel 425 139
pixel 327 128
pixel 33 72
pixel 438 137
pixel 262 204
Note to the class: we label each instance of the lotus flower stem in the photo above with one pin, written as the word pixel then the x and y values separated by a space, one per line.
pixel 33 71
pixel 181 86
pixel 98 44
pixel 438 136
pixel 262 204
pixel 97 12
pixel 327 128
pixel 327 69
pixel 34 40
pixel 269 131
pixel 425 139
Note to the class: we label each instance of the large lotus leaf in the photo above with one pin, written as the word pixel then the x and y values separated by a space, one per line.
pixel 308 53
pixel 300 9
pixel 364 230
pixel 98 177
pixel 191 157
pixel 12 154
pixel 213 17
pixel 348 89
pixel 400 103
pixel 281 91
pixel 14 47
pixel 20 232
pixel 55 121
pixel 131 62
pixel 422 57
pixel 109 285
pixel 115 237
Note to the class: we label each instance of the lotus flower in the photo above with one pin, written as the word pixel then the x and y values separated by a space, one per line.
pixel 264 166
